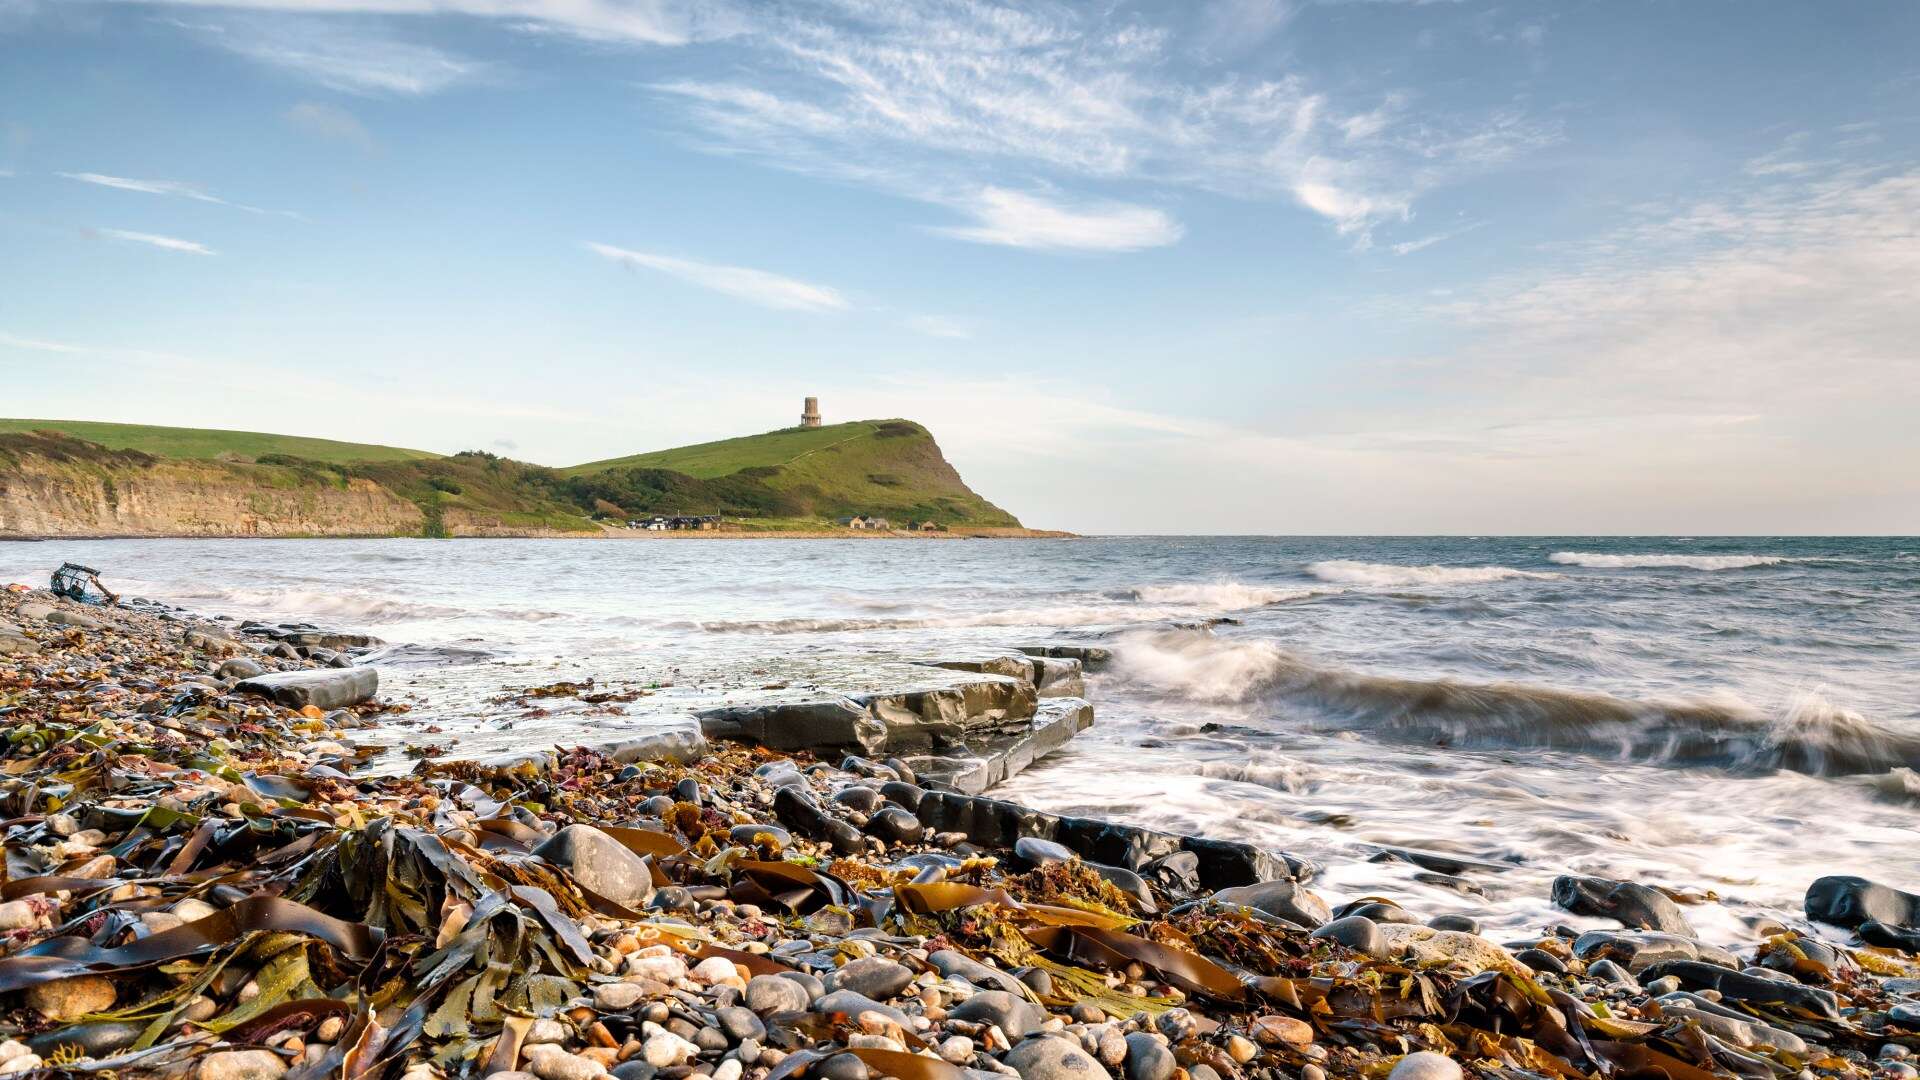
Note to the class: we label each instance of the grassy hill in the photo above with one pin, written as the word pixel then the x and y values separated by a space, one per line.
pixel 210 444
pixel 137 478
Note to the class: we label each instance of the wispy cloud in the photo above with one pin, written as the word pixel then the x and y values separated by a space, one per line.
pixel 329 122
pixel 651 22
pixel 171 188
pixel 1018 219
pixel 918 98
pixel 1408 247
pixel 754 286
pixel 170 243
pixel 349 56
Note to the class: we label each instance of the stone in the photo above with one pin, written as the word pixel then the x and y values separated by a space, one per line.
pixel 895 825
pixel 241 1065
pixel 1424 946
pixel 874 976
pixel 1281 898
pixel 1849 901
pixel 103 1038
pixel 618 996
pixel 1033 851
pixel 1051 1057
pixel 62 617
pixel 846 1001
pixel 746 834
pixel 713 970
pixel 774 993
pixel 949 962
pixel 553 1063
pixel 1356 932
pixel 73 997
pixel 1426 1065
pixel 1015 1016
pixel 240 668
pixel 1275 1030
pixel 831 724
pixel 841 1067
pixel 1638 906
pixel 325 688
pixel 1466 924
pixel 1640 949
pixel 600 863
pixel 13 644
pixel 1148 1058
pixel 740 1024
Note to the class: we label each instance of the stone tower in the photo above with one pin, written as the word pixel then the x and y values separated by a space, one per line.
pixel 810 416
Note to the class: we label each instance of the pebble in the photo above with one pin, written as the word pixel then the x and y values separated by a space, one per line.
pixel 740 1023
pixel 775 993
pixel 875 977
pixel 714 969
pixel 553 1063
pixel 840 1067
pixel 1010 1014
pixel 1426 1065
pixel 1275 1030
pixel 618 996
pixel 1050 1057
pixel 1148 1058
pixel 241 1065
pixel 72 998
pixel 957 1049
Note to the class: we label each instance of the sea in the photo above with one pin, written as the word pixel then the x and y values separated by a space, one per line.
pixel 1448 721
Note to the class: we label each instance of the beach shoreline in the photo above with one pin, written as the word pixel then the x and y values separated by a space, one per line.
pixel 759 914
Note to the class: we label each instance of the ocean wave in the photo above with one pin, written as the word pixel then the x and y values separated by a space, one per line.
pixel 358 607
pixel 1222 595
pixel 1809 734
pixel 1348 572
pixel 1597 561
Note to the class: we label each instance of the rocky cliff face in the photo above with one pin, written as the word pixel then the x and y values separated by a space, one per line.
pixel 42 496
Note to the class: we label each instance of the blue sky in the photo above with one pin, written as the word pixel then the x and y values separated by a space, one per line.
pixel 1241 266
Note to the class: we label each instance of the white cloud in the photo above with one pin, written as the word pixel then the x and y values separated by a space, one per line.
pixel 329 122
pixel 1423 243
pixel 652 22
pixel 755 286
pixel 351 57
pixel 1017 219
pixel 170 243
pixel 172 188
pixel 932 100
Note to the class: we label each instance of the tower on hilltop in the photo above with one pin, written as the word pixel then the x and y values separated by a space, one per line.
pixel 810 415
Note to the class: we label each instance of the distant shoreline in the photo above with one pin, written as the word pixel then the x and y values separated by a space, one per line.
pixel 983 533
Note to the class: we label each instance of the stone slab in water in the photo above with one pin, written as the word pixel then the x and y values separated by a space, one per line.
pixel 325 688
pixel 995 759
pixel 879 722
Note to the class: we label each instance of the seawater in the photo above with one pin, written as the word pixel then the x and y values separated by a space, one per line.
pixel 1720 716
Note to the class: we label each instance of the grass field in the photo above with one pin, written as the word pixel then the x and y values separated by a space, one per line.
pixel 209 443
pixel 729 456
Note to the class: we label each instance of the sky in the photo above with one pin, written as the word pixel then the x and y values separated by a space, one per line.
pixel 1233 266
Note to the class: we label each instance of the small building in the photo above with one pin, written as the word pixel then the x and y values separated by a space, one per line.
pixel 855 522
pixel 929 526
pixel 879 523
pixel 810 413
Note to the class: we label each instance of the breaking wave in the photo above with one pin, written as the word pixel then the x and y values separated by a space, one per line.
pixel 1347 572
pixel 1216 596
pixel 1596 561
pixel 265 603
pixel 1809 735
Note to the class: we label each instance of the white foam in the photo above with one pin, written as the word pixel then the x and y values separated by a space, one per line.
pixel 1221 595
pixel 1349 572
pixel 1596 561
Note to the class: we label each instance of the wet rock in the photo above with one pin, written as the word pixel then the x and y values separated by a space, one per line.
pixel 799 812
pixel 841 1067
pixel 1606 971
pixel 823 726
pixel 1639 949
pixel 1148 1058
pixel 775 993
pixel 949 962
pixel 1425 946
pixel 1357 933
pixel 241 1065
pixel 1736 986
pixel 600 863
pixel 873 976
pixel 240 668
pixel 853 1004
pixel 1053 1058
pixel 904 794
pixel 859 797
pixel 1849 901
pixel 1282 898
pixel 327 688
pixel 895 826
pixel 1426 1065
pixel 1466 924
pixel 1638 906
pixel 1014 1015
pixel 72 998
pixel 99 1039
pixel 740 1023
pixel 1033 851
pixel 745 834
pixel 1541 960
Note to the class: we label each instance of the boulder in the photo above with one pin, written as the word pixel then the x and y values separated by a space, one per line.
pixel 1849 901
pixel 833 724
pixel 600 863
pixel 1016 1016
pixel 1636 905
pixel 326 688
pixel 1282 898
pixel 240 668
pixel 72 997
pixel 1424 946
pixel 1640 949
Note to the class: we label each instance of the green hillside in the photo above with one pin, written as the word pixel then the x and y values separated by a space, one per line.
pixel 794 479
pixel 728 456
pixel 208 444
pixel 888 467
